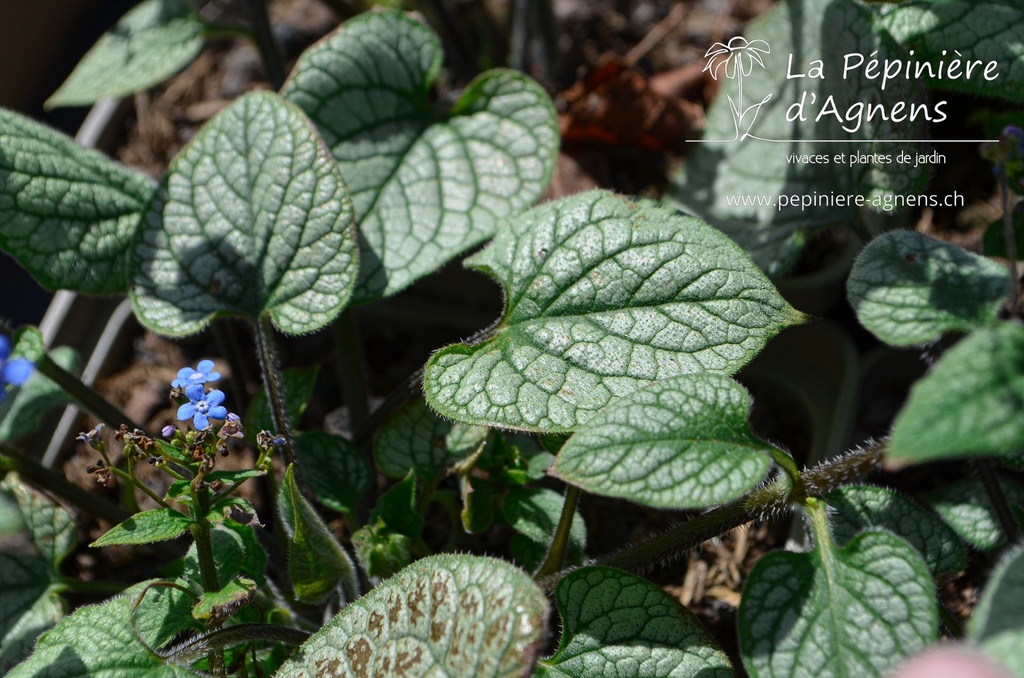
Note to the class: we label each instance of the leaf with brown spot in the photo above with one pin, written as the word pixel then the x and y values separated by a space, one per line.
pixel 471 598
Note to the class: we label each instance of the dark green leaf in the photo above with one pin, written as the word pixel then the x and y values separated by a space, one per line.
pixel 317 563
pixel 450 615
pixel 858 611
pixel 909 289
pixel 427 185
pixel 29 605
pixel 252 218
pixel 971 402
pixel 683 442
pixel 381 551
pixel 69 214
pixel 397 508
pixel 255 562
pixel 51 527
pixel 97 640
pixel 603 296
pixel 146 527
pixel 332 467
pixel 994 244
pixel 228 555
pixel 860 507
pixel 417 439
pixel 148 45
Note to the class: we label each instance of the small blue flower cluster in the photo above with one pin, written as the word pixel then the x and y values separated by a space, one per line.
pixel 12 372
pixel 201 406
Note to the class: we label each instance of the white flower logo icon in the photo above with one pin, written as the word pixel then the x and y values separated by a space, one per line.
pixel 736 59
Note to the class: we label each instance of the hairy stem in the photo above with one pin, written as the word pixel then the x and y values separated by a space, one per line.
pixel 771 499
pixel 272 383
pixel 92 401
pixel 555 557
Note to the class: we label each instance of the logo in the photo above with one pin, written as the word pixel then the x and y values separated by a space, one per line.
pixel 815 95
pixel 737 59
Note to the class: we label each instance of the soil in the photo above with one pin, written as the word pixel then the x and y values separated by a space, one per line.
pixel 608 55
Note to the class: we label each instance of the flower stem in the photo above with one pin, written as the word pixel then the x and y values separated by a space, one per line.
pixel 555 557
pixel 272 383
pixel 207 566
pixel 92 401
pixel 265 43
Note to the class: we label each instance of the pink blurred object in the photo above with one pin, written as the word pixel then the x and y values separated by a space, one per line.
pixel 951 662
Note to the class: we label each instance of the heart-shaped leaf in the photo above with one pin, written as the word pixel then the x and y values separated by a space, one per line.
pixel 997 623
pixel 69 214
pixel 861 507
pixel 252 217
pixel 427 185
pixel 618 625
pixel 454 615
pixel 28 605
pixel 768 196
pixel 317 563
pixel 978 32
pixel 97 641
pixel 855 611
pixel 603 295
pixel 679 443
pixel 147 527
pixel 417 439
pixel 970 404
pixel 332 467
pixel 909 289
pixel 148 45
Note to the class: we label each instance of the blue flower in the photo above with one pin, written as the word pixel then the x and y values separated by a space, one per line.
pixel 202 406
pixel 15 371
pixel 202 374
